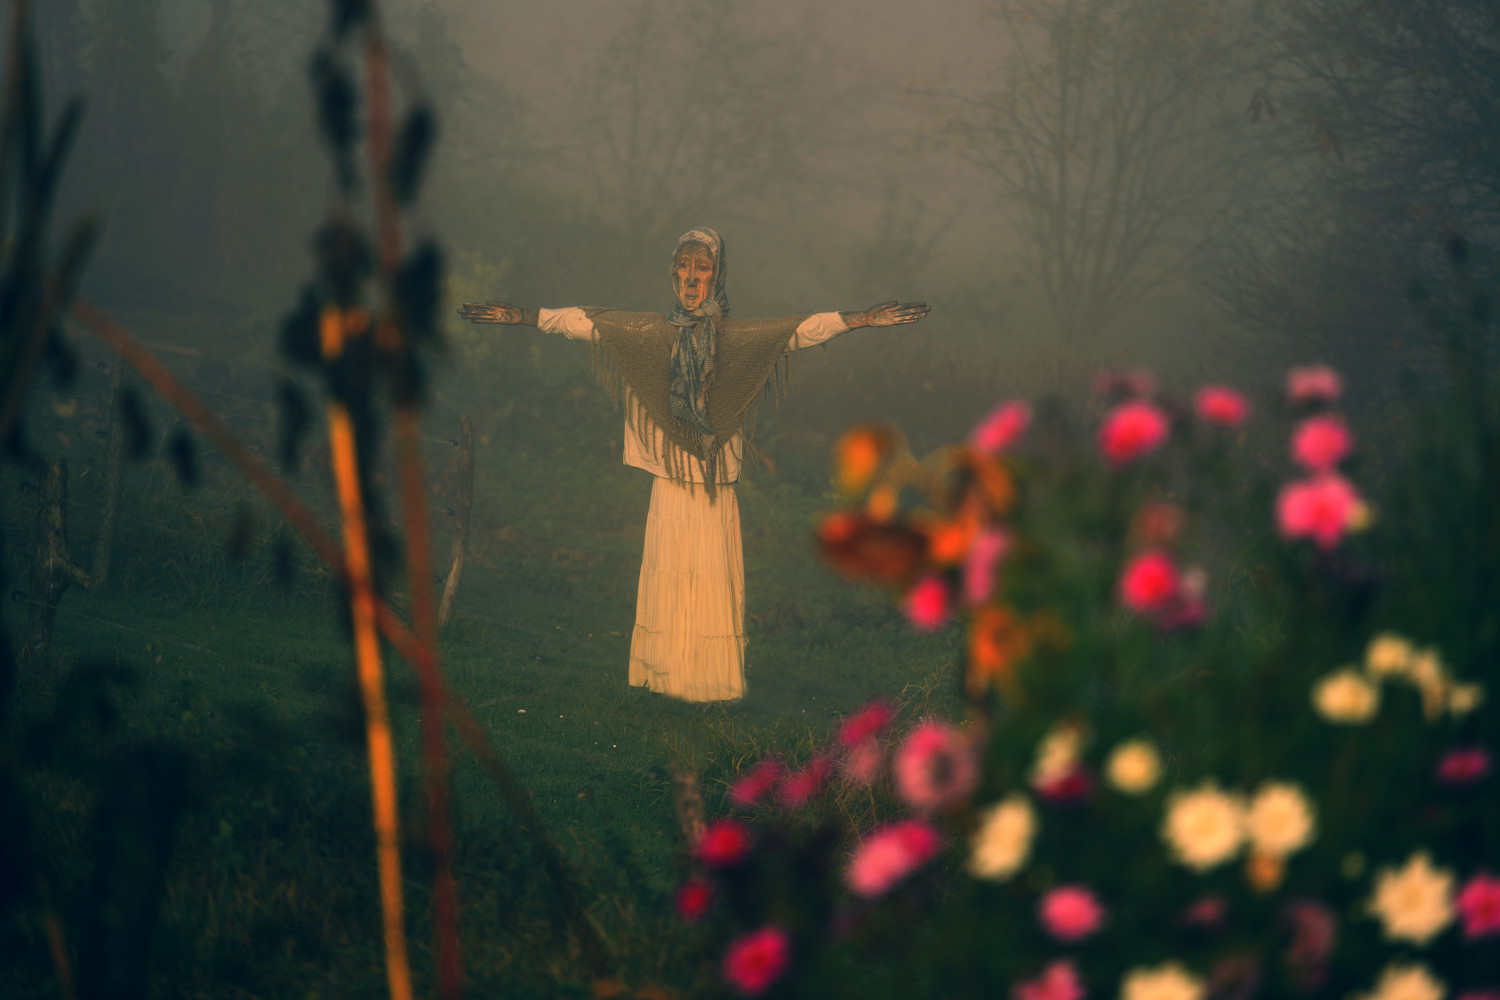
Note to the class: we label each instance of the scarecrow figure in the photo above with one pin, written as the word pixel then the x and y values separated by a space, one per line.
pixel 689 382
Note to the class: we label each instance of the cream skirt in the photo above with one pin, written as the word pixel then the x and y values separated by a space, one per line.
pixel 689 638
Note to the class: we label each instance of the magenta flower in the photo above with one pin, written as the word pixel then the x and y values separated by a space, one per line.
pixel 1150 583
pixel 1131 430
pixel 928 604
pixel 693 899
pixel 890 853
pixel 1070 912
pixel 1058 981
pixel 1320 443
pixel 1464 766
pixel 865 724
pixel 754 961
pixel 1001 428
pixel 1069 788
pixel 935 767
pixel 725 841
pixel 1313 384
pixel 1314 932
pixel 1221 405
pixel 756 784
pixel 862 763
pixel 1478 904
pixel 799 787
pixel 1323 508
pixel 988 549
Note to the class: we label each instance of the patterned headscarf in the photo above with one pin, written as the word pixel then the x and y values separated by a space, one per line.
pixel 697 340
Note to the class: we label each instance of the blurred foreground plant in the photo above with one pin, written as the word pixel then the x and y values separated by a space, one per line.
pixel 1165 787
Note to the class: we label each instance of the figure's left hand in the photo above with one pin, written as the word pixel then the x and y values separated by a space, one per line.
pixel 892 313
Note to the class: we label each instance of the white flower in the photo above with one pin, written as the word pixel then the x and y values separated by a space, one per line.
pixel 1406 982
pixel 1413 903
pixel 1280 820
pixel 1205 827
pixel 1388 654
pixel 1169 981
pixel 1056 754
pixel 1134 767
pixel 1003 841
pixel 1345 696
pixel 1464 698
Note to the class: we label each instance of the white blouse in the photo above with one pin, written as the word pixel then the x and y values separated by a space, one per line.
pixel 645 444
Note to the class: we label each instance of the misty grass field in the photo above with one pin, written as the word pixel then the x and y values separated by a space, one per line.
pixel 271 889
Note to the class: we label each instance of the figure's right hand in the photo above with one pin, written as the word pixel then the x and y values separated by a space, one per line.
pixel 490 312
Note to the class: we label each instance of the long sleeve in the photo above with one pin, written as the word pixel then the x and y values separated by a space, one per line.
pixel 819 328
pixel 571 322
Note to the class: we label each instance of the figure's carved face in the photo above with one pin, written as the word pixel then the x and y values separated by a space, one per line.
pixel 693 277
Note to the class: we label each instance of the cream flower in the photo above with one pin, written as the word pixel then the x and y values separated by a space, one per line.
pixel 1464 698
pixel 1406 982
pixel 1427 674
pixel 1056 754
pixel 1003 842
pixel 1345 696
pixel 1134 767
pixel 1204 827
pixel 1280 820
pixel 1413 903
pixel 1169 981
pixel 1388 654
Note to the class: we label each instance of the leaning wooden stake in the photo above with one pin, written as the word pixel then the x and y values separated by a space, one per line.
pixel 336 325
pixel 114 451
pixel 52 568
pixel 462 510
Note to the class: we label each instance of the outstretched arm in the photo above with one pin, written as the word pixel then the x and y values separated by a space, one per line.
pixel 886 314
pixel 498 312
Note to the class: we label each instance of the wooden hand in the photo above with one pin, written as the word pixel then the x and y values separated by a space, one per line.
pixel 490 312
pixel 887 314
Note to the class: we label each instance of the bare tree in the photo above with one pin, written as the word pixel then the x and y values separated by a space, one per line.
pixel 1107 129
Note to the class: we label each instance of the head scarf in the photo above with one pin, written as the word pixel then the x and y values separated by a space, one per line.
pixel 698 342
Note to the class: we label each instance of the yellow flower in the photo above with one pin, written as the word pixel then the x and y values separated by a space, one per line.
pixel 1134 767
pixel 1205 827
pixel 1169 981
pixel 1056 754
pixel 1345 696
pixel 1280 820
pixel 1464 698
pixel 1406 982
pixel 1003 842
pixel 1413 903
pixel 1388 654
pixel 1427 674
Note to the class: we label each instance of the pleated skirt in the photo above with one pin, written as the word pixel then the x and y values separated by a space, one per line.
pixel 689 638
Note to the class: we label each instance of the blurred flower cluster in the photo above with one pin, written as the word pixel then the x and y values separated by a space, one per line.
pixel 1155 789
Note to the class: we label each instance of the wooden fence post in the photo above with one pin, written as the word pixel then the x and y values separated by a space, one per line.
pixel 52 568
pixel 464 505
pixel 114 450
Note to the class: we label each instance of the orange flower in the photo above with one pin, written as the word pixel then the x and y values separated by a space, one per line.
pixel 990 477
pixel 949 541
pixel 998 640
pixel 858 456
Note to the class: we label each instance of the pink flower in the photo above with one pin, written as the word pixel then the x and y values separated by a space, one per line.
pixel 928 604
pixel 755 960
pixel 988 549
pixel 1131 430
pixel 935 767
pixel 865 724
pixel 1070 913
pixel 1067 789
pixel 1058 981
pixel 1314 931
pixel 694 898
pixel 1322 508
pixel 1150 582
pixel 725 841
pixel 757 784
pixel 1319 443
pixel 1463 767
pixel 1217 404
pixel 862 763
pixel 890 853
pixel 1478 905
pixel 797 788
pixel 1001 427
pixel 1313 384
